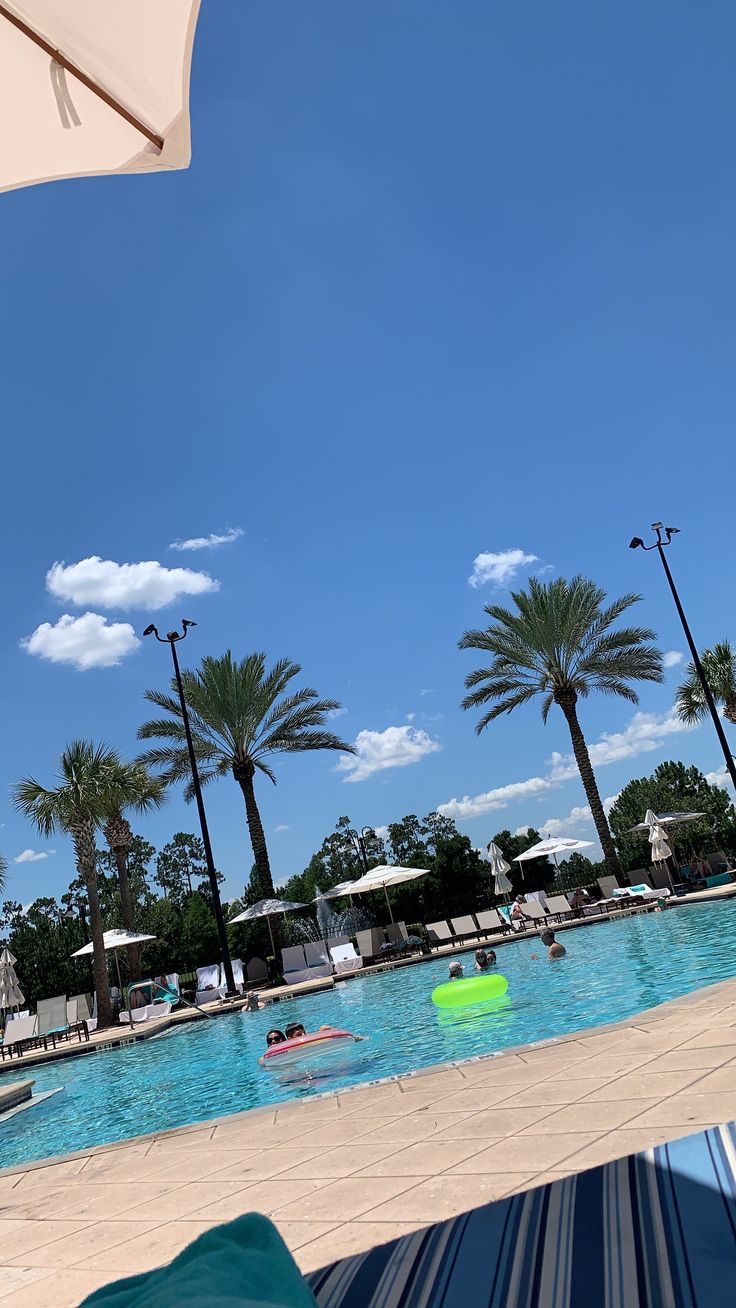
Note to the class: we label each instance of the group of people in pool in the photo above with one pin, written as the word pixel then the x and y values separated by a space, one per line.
pixel 486 958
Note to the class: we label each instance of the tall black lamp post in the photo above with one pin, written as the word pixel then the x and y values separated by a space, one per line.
pixel 360 842
pixel 659 545
pixel 171 639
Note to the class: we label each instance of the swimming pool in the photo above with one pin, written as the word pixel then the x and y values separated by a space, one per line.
pixel 209 1069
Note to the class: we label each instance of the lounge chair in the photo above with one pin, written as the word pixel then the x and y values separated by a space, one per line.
pixel 318 959
pixel 21 1033
pixel 147 1013
pixel 655 1228
pixel 209 986
pixel 439 933
pixel 558 906
pixel 333 941
pixel 490 922
pixel 608 885
pixel 54 1023
pixel 294 965
pixel 238 976
pixel 345 959
pixel 396 933
pixel 256 972
pixel 464 928
pixel 84 1011
pixel 369 942
pixel 533 913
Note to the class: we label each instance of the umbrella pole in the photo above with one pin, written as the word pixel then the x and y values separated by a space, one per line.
pixel 270 932
pixel 130 1011
pixel 388 905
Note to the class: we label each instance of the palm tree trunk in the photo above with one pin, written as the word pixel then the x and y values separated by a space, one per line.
pixel 127 911
pixel 587 776
pixel 244 776
pixel 83 836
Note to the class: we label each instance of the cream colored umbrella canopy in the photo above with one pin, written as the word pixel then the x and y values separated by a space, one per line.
pixel 11 995
pixel 93 86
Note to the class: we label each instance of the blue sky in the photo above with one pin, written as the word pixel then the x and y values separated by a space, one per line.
pixel 441 282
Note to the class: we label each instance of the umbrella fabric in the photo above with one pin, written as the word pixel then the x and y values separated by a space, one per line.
pixel 553 846
pixel 499 867
pixel 337 892
pixel 118 938
pixel 657 838
pixel 265 908
pixel 125 60
pixel 664 820
pixel 11 995
pixel 379 878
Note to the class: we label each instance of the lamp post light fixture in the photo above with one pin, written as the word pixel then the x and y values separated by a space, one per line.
pixel 360 842
pixel 171 639
pixel 660 545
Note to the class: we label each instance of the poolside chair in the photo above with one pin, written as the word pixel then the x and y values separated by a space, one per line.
pixel 209 987
pixel 333 941
pixel 652 1229
pixel 439 933
pixel 608 885
pixel 396 933
pixel 533 912
pixel 54 1023
pixel 558 907
pixel 464 928
pixel 369 942
pixel 345 960
pixel 490 922
pixel 256 972
pixel 318 959
pixel 84 1011
pixel 238 976
pixel 294 965
pixel 20 1034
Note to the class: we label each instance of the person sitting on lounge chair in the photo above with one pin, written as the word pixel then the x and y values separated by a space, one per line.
pixel 137 998
pixel 517 913
pixel 581 898
pixel 163 992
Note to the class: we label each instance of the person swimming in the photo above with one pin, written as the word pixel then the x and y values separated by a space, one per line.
pixel 294 1030
pixel 554 948
pixel 275 1037
pixel 456 971
pixel 484 959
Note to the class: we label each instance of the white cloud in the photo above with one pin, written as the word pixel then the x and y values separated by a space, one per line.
pixel 645 732
pixel 336 713
pixel 499 568
pixel 33 856
pixel 86 642
pixel 395 747
pixel 719 778
pixel 146 585
pixel 429 691
pixel 210 542
pixel 410 717
pixel 471 806
pixel 381 832
pixel 672 657
pixel 283 826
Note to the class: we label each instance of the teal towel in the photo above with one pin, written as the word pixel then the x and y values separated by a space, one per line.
pixel 243 1263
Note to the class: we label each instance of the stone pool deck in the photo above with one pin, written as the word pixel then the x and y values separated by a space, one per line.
pixel 348 1170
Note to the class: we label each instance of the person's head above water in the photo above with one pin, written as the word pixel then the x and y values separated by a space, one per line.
pixel 275 1037
pixel 547 936
pixel 456 970
pixel 481 958
pixel 294 1030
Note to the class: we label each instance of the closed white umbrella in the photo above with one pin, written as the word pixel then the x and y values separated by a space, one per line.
pixel 499 867
pixel 114 940
pixel 657 838
pixel 266 908
pixel 380 878
pixel 11 995
pixel 93 86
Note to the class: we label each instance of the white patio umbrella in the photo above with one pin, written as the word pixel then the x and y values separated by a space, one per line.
pixel 499 867
pixel 339 891
pixel 551 847
pixel 266 908
pixel 94 86
pixel 114 940
pixel 380 878
pixel 665 820
pixel 657 838
pixel 11 995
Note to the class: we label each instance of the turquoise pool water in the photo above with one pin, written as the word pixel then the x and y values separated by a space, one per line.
pixel 210 1068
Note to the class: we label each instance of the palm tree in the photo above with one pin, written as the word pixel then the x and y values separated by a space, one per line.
pixel 560 644
pixel 89 785
pixel 138 789
pixel 3 871
pixel 240 714
pixel 719 666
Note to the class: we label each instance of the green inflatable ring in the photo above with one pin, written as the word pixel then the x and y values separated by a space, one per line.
pixel 469 990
